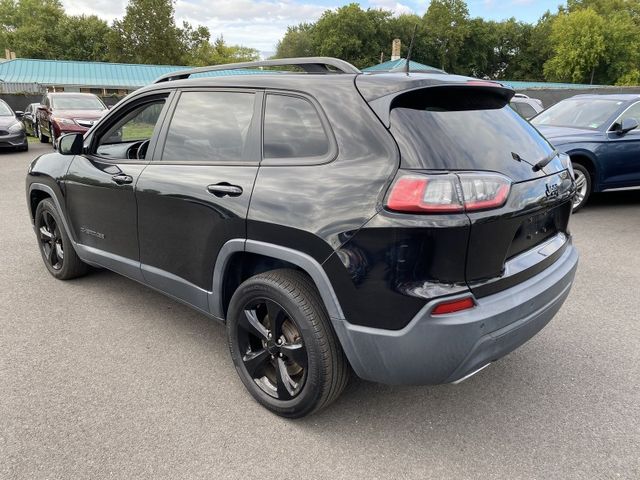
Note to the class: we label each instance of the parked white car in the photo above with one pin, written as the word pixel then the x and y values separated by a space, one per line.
pixel 526 106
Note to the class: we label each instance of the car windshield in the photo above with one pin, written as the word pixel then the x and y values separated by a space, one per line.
pixel 578 113
pixel 5 111
pixel 77 102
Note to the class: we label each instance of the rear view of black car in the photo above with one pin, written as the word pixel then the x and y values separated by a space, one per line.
pixel 409 228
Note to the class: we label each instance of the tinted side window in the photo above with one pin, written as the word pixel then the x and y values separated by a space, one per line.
pixel 210 126
pixel 128 137
pixel 292 129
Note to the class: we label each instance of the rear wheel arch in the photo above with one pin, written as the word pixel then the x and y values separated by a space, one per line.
pixel 252 257
pixel 588 162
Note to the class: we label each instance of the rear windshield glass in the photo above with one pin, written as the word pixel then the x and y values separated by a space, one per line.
pixel 463 129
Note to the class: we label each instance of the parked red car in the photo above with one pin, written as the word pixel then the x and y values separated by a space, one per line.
pixel 61 113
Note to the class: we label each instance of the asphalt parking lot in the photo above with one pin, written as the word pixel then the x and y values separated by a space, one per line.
pixel 103 378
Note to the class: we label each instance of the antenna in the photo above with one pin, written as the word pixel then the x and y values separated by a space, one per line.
pixel 413 36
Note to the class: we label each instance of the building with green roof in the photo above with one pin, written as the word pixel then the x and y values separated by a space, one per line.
pixel 34 76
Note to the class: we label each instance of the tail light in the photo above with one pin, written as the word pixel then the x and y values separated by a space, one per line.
pixel 448 193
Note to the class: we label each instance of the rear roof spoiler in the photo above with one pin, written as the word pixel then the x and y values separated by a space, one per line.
pixel 382 105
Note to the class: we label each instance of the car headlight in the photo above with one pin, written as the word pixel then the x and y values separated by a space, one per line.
pixel 16 127
pixel 63 121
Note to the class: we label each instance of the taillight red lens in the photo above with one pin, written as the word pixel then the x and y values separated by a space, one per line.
pixel 483 191
pixel 419 193
pixel 453 306
pixel 448 193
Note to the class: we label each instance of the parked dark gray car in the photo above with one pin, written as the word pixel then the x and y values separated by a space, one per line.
pixel 12 134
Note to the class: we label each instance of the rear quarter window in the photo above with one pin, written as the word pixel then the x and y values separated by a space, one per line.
pixel 293 129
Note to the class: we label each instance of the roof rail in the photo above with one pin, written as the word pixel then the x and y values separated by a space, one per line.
pixel 308 64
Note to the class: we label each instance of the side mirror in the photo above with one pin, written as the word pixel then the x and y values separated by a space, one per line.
pixel 19 113
pixel 627 125
pixel 71 144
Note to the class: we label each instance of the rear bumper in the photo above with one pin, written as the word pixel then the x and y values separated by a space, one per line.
pixel 447 348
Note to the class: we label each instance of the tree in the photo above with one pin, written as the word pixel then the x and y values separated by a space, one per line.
pixel 297 42
pixel 402 27
pixel 147 34
pixel 536 50
pixel 29 27
pixel 83 38
pixel 579 47
pixel 353 34
pixel 447 26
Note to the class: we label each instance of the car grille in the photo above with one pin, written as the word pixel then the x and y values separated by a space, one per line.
pixel 4 132
pixel 85 123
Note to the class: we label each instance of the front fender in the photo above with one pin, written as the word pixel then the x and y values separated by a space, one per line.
pixel 580 150
pixel 46 174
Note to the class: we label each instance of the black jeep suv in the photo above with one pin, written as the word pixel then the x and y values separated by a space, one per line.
pixel 410 227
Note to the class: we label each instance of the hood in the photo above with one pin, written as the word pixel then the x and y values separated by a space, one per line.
pixel 7 120
pixel 560 135
pixel 85 114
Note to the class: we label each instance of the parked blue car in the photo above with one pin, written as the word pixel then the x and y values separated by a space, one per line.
pixel 601 134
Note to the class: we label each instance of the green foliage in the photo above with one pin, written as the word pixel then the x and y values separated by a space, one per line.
pixel 82 37
pixel 631 78
pixel 297 42
pixel 26 27
pixel 146 34
pixel 595 41
pixel 447 27
pixel 353 33
pixel 579 46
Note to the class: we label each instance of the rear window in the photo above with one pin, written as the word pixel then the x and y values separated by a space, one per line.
pixel 463 129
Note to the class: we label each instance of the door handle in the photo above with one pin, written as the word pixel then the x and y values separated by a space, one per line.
pixel 122 179
pixel 223 188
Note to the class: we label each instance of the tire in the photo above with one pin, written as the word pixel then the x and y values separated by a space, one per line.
pixel 583 184
pixel 54 139
pixel 43 137
pixel 313 368
pixel 61 260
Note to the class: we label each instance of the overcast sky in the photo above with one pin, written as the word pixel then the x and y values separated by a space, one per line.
pixel 260 24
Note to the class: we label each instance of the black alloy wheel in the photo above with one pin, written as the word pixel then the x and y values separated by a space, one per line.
pixel 56 248
pixel 273 352
pixel 283 345
pixel 51 241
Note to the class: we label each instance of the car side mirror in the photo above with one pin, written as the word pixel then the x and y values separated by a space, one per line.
pixel 71 144
pixel 19 113
pixel 626 126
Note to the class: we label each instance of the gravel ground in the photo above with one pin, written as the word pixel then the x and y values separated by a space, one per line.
pixel 103 378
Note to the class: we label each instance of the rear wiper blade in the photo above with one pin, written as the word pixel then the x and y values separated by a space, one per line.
pixel 545 161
